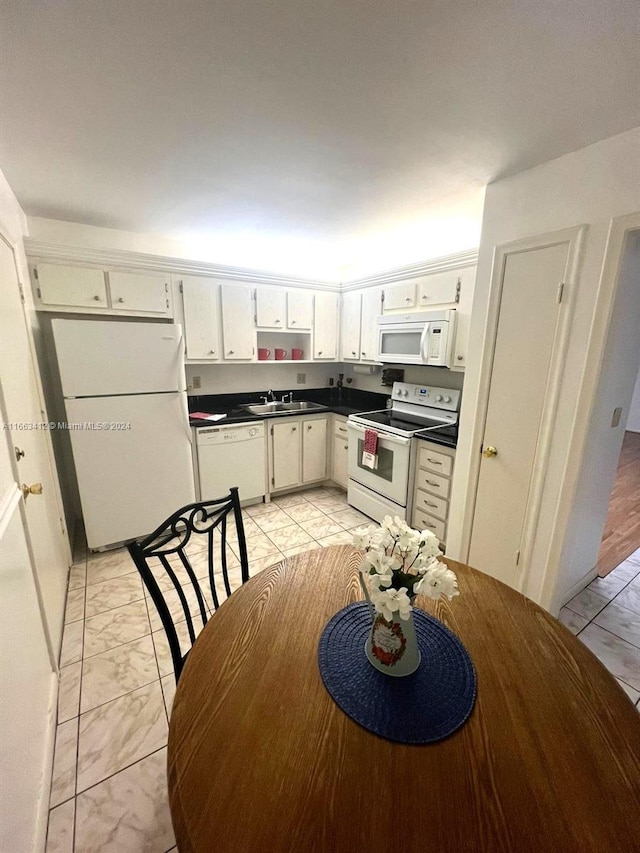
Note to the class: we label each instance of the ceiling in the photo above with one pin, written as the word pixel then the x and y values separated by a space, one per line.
pixel 330 136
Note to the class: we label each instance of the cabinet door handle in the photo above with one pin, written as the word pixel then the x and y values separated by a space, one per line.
pixel 433 461
pixel 292 322
pixel 353 352
pixel 293 429
pixel 120 299
pixel 308 426
pixel 363 352
pixel 319 352
pixel 212 352
pixel 430 504
pixel 346 447
pixel 231 352
pixel 431 483
pixel 407 299
pixel 277 321
pixel 424 297
pixel 96 299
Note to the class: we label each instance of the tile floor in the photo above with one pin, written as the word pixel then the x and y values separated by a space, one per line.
pixel 117 684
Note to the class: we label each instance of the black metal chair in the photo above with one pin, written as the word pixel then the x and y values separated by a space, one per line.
pixel 165 561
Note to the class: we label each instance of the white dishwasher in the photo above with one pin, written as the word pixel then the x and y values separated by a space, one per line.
pixel 232 455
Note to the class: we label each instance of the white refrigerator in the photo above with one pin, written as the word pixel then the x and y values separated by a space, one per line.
pixel 125 398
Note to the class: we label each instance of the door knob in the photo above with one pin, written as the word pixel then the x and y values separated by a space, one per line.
pixel 34 489
pixel 489 451
pixel 19 453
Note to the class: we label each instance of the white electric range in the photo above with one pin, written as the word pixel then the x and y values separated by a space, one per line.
pixel 416 411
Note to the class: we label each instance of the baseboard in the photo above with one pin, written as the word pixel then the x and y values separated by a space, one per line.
pixel 42 821
pixel 577 587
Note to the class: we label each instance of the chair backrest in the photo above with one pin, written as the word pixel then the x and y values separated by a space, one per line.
pixel 188 548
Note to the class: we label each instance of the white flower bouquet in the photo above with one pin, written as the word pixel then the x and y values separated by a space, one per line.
pixel 400 563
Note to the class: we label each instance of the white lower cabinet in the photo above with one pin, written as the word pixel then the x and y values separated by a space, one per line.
pixel 340 455
pixel 297 451
pixel 432 487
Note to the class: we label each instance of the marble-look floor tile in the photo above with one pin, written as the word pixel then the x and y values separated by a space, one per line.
pixel 587 603
pixel 620 621
pixel 634 695
pixel 117 734
pixel 128 813
pixel 259 509
pixel 176 608
pixel 627 570
pixel 303 512
pixel 273 520
pixel 60 830
pixel 294 499
pixel 161 645
pixel 320 528
pixel 69 692
pixel 331 505
pixel 249 526
pixel 121 670
pixel 319 492
pixel 630 598
pixel 168 691
pixel 619 657
pixel 113 593
pixel 74 611
pixel 109 565
pixel 350 518
pixel 257 547
pixel 573 621
pixel 63 781
pixel 115 627
pixel 78 576
pixel 290 537
pixel 635 557
pixel 609 586
pixel 71 650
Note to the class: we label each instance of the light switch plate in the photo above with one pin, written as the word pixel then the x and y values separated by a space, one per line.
pixel 301 378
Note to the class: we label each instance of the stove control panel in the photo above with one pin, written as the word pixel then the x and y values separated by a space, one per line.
pixel 426 395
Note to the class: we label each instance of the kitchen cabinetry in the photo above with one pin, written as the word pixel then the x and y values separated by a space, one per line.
pixel 371 310
pixel 350 326
pixel 440 288
pixel 467 278
pixel 325 325
pixel 297 451
pixel 271 308
pixel 400 295
pixel 201 304
pixel 432 488
pixel 299 310
pixel 90 290
pixel 359 333
pixel 340 447
pixel 238 332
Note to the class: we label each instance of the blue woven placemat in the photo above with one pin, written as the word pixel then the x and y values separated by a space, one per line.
pixel 426 706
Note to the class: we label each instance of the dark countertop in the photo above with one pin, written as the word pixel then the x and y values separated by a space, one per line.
pixel 341 401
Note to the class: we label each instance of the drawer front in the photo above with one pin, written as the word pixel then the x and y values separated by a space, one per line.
pixel 434 461
pixel 433 483
pixel 340 429
pixel 431 504
pixel 422 521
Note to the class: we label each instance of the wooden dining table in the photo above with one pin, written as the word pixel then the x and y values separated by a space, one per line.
pixel 261 758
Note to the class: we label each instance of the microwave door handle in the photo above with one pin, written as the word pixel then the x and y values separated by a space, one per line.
pixel 424 355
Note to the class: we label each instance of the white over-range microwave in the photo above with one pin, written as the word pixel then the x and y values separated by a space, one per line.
pixel 425 337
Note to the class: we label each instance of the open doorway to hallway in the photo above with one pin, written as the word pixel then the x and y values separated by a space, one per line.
pixel 621 535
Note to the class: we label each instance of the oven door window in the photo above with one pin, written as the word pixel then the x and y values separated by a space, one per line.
pixel 405 343
pixel 385 463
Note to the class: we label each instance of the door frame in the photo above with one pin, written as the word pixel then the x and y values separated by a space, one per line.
pixel 576 237
pixel 600 331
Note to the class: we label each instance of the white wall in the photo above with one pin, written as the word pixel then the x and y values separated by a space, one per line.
pixel 633 420
pixel 440 377
pixel 586 187
pixel 237 378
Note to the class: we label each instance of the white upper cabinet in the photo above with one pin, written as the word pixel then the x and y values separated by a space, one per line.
pixel 350 326
pixel 371 310
pixel 201 303
pixel 300 309
pixel 440 288
pixel 237 322
pixel 325 325
pixel 89 290
pixel 271 308
pixel 400 295
pixel 139 292
pixel 467 277
pixel 70 286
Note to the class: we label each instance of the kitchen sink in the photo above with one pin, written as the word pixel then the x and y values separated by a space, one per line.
pixel 279 408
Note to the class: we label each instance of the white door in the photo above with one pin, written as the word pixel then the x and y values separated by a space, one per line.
pixel 371 310
pixel 98 358
pixel 299 309
pixel 519 391
pixel 140 292
pixel 28 681
pixel 340 450
pixel 350 326
pixel 136 472
pixel 314 450
pixel 74 286
pixel 271 310
pixel 325 325
pixel 285 454
pixel 29 437
pixel 238 331
pixel 201 300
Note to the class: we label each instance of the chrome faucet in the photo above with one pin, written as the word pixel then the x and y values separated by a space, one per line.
pixel 289 395
pixel 271 397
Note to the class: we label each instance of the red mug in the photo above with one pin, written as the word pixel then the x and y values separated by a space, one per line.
pixel 263 353
pixel 297 354
pixel 280 354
